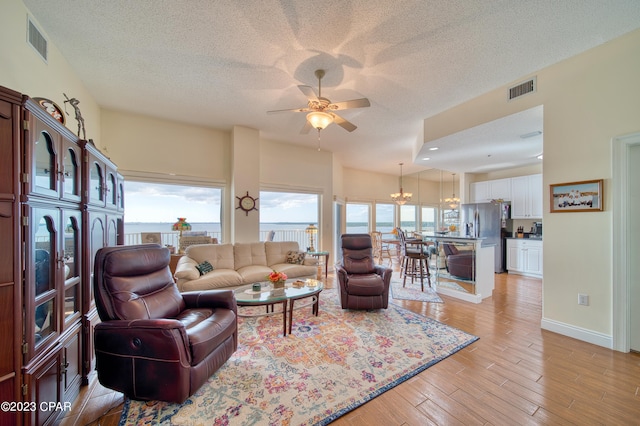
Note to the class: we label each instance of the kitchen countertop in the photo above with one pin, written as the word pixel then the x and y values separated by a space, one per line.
pixel 449 237
pixel 534 238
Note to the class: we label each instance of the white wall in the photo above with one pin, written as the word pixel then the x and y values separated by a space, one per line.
pixel 588 100
pixel 137 143
pixel 24 71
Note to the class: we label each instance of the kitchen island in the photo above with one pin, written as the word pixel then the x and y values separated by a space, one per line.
pixel 468 270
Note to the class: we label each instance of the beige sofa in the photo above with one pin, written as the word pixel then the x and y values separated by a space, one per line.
pixel 238 264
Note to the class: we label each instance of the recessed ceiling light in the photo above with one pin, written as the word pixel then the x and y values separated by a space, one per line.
pixel 433 148
pixel 426 158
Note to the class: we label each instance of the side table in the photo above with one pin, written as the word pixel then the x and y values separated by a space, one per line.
pixel 318 255
pixel 173 262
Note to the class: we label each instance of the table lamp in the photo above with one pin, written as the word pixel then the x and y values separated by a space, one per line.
pixel 311 230
pixel 181 225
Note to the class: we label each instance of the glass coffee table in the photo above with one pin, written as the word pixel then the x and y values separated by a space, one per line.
pixel 268 297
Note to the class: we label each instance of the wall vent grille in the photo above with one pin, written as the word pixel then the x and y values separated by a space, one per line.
pixel 37 40
pixel 523 88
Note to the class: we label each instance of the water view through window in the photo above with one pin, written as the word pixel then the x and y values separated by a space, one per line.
pixel 284 216
pixel 155 207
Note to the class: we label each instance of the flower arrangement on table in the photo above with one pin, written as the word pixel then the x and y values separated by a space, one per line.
pixel 277 279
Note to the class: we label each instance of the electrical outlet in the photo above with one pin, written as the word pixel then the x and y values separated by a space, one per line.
pixel 583 299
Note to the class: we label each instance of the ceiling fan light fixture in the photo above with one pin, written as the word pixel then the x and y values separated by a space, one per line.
pixel 319 120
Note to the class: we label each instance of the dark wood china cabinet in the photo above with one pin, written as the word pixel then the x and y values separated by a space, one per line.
pixel 11 258
pixel 103 198
pixel 61 200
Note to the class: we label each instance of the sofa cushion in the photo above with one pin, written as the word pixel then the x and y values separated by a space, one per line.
pixel 277 251
pixel 218 278
pixel 219 255
pixel 246 254
pixel 254 273
pixel 294 271
pixel 295 257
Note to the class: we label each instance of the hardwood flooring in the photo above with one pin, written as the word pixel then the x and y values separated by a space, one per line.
pixel 516 374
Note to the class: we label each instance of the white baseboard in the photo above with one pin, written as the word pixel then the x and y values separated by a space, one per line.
pixel 467 297
pixel 579 333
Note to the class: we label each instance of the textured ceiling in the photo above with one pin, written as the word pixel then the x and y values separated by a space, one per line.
pixel 225 62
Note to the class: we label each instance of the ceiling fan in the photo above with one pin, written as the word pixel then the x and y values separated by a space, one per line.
pixel 321 110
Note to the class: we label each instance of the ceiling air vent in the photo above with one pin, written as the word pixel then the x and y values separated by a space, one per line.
pixel 523 88
pixel 36 39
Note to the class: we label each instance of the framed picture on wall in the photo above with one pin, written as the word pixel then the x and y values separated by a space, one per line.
pixel 585 196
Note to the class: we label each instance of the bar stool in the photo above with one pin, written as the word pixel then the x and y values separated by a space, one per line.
pixel 414 263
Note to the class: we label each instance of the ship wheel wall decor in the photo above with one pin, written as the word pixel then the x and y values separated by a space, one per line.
pixel 247 203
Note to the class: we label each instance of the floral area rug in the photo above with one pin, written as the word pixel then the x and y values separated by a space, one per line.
pixel 412 291
pixel 328 366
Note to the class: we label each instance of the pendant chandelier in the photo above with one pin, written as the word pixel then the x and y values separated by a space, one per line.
pixel 454 201
pixel 401 197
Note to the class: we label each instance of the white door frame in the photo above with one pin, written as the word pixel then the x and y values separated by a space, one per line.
pixel 620 261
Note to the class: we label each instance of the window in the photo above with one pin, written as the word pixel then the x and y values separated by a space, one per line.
pixel 358 218
pixel 385 218
pixel 284 216
pixel 408 218
pixel 155 207
pixel 428 221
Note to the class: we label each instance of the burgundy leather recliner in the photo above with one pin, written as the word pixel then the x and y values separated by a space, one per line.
pixel 461 264
pixel 155 343
pixel 363 283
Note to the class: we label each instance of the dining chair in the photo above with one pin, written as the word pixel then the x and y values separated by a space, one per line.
pixel 381 249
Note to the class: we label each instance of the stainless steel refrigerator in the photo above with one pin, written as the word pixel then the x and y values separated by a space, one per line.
pixel 487 221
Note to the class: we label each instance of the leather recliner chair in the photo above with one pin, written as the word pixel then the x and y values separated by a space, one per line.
pixel 461 264
pixel 155 343
pixel 363 284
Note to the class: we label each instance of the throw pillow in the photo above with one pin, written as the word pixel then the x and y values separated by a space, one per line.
pixel 295 257
pixel 204 267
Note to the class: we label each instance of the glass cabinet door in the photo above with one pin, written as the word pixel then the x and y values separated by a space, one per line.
pixel 44 162
pixel 71 264
pixel 98 236
pixel 71 172
pixel 112 192
pixel 120 197
pixel 44 273
pixel 96 193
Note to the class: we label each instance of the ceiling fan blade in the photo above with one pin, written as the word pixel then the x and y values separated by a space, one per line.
pixel 308 92
pixel 354 103
pixel 347 125
pixel 303 109
pixel 306 128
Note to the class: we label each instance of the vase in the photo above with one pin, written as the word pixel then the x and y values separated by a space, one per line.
pixel 278 284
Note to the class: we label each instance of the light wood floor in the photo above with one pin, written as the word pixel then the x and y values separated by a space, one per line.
pixel 516 374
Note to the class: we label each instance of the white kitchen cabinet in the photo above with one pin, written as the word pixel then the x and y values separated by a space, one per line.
pixel 535 193
pixel 500 189
pixel 479 192
pixel 524 256
pixel 485 191
pixel 526 197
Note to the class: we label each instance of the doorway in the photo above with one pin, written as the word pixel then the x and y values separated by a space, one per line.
pixel 626 248
pixel 634 246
